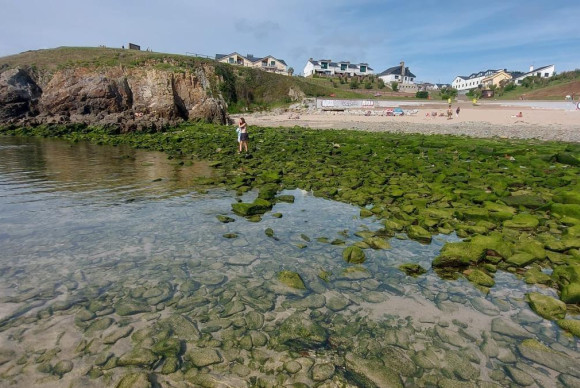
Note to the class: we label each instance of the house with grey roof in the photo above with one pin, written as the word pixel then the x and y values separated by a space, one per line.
pixel 542 72
pixel 328 67
pixel 402 76
pixel 267 63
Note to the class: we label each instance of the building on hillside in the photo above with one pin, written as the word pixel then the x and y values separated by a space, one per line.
pixel 427 87
pixel 542 72
pixel 402 75
pixel 495 79
pixel 471 81
pixel 327 67
pixel 267 63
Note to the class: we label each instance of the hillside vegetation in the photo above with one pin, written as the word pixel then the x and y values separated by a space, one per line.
pixel 242 88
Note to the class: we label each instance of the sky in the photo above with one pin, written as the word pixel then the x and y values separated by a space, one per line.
pixel 437 40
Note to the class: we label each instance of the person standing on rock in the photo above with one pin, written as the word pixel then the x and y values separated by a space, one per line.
pixel 244 137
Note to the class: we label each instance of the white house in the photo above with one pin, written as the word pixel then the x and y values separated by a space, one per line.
pixel 267 63
pixel 330 68
pixel 542 72
pixel 471 81
pixel 402 75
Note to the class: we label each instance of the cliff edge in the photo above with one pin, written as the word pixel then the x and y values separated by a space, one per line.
pixel 114 88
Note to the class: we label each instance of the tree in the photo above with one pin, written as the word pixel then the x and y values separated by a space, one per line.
pixel 381 83
pixel 395 86
pixel 368 85
pixel 290 71
pixel 354 83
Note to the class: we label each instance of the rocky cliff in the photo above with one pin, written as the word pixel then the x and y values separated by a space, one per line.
pixel 148 96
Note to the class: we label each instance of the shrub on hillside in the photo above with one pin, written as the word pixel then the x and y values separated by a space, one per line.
pixel 353 83
pixel 381 83
pixel 368 85
pixel 395 86
pixel 422 94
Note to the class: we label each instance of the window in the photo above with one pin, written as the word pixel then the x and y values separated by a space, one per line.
pixel 343 66
pixel 272 63
pixel 323 65
pixel 363 69
pixel 396 77
pixel 546 75
pixel 231 60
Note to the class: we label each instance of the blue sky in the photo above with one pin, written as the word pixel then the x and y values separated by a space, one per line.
pixel 437 39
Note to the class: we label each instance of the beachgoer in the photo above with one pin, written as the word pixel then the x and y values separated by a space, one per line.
pixel 239 132
pixel 520 114
pixel 449 113
pixel 244 137
pixel 457 111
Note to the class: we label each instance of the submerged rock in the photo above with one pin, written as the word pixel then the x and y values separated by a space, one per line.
pixel 412 269
pixel 480 278
pixel 62 367
pixel 203 357
pixel 259 206
pixel 291 279
pixel 537 352
pixel 353 255
pixel 300 332
pixel 224 219
pixel 134 380
pixel 142 357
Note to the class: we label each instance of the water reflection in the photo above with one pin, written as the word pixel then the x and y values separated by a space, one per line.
pixel 37 166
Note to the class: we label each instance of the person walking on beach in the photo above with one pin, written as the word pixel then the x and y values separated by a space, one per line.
pixel 457 111
pixel 244 137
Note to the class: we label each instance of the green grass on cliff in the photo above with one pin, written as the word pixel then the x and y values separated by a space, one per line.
pixel 244 89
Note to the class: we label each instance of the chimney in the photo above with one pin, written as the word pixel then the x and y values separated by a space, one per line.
pixel 531 68
pixel 402 71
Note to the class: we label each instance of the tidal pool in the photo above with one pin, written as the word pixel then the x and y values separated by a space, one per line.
pixel 114 271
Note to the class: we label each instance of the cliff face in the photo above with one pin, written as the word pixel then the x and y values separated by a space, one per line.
pixel 127 98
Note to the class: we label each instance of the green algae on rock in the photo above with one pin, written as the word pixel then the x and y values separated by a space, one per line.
pixel 353 255
pixel 571 325
pixel 291 279
pixel 546 306
pixel 412 269
pixel 259 206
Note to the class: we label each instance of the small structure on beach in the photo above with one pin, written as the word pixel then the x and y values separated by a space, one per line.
pixel 133 46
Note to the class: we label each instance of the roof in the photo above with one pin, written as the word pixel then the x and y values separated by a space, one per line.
pixel 532 72
pixel 337 64
pixel 479 74
pixel 396 70
pixel 249 57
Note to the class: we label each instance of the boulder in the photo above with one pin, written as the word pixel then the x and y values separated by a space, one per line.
pixel 259 206
pixel 412 269
pixel 18 94
pixel 291 279
pixel 546 306
pixel 571 325
pixel 416 232
pixel 300 332
pixel 353 255
pixel 522 221
pixel 480 278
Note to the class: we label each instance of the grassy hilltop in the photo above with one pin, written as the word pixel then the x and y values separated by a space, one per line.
pixel 243 88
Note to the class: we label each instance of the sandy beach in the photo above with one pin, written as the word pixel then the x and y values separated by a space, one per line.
pixel 485 120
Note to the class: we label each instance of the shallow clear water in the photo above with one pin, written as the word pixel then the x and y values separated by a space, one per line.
pixel 108 250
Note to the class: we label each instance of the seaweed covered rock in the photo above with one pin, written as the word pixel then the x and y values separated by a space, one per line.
pixel 480 278
pixel 568 279
pixel 462 254
pixel 418 233
pixel 546 306
pixel 259 206
pixel 134 380
pixel 571 325
pixel 566 209
pixel 353 255
pixel 412 269
pixel 291 279
pixel 300 332
pixel 522 221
